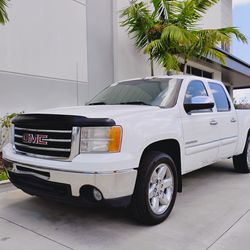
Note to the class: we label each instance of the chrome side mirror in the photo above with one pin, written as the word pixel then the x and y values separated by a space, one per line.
pixel 199 103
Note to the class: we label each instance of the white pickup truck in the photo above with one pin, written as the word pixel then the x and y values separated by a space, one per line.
pixel 130 145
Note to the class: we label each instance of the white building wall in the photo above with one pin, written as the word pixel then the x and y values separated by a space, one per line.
pixel 100 46
pixel 129 62
pixel 43 54
pixel 226 12
pixel 42 39
pixel 219 16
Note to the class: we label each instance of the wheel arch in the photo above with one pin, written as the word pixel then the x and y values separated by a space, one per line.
pixel 173 149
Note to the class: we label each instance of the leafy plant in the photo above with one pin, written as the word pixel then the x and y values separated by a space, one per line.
pixel 241 103
pixel 168 31
pixel 6 120
pixel 5 124
pixel 3 176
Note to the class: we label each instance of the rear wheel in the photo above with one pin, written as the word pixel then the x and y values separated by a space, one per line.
pixel 156 188
pixel 242 162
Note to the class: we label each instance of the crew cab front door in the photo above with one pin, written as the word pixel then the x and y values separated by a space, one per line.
pixel 199 130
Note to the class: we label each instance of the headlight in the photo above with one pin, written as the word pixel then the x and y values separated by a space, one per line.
pixel 101 139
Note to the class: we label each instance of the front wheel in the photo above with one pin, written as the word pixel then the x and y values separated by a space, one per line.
pixel 242 162
pixel 156 188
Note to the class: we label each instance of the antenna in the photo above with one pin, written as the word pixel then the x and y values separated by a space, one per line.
pixel 77 85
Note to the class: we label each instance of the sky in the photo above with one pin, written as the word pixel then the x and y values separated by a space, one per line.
pixel 240 2
pixel 241 12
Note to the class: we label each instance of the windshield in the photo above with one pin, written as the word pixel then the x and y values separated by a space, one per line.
pixel 153 92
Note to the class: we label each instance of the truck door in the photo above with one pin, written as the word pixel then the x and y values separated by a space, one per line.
pixel 227 121
pixel 199 129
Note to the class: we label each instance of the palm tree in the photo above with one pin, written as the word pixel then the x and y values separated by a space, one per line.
pixel 3 13
pixel 171 32
pixel 145 26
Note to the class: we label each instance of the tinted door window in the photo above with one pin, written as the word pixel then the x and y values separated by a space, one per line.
pixel 195 88
pixel 220 97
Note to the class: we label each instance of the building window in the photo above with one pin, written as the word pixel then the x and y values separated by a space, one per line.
pixel 198 72
pixel 208 75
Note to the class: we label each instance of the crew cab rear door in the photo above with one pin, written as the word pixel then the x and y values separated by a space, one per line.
pixel 200 131
pixel 226 118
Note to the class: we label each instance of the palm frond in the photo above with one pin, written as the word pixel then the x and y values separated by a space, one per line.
pixel 138 20
pixel 3 13
pixel 154 47
pixel 210 38
pixel 191 11
pixel 233 31
pixel 176 34
pixel 214 54
pixel 164 9
pixel 170 62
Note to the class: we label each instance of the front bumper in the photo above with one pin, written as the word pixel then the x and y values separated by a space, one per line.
pixel 62 185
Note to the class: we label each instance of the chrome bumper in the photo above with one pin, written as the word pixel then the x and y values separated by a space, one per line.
pixel 112 185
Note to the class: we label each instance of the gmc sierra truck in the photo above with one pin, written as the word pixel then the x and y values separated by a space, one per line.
pixel 130 145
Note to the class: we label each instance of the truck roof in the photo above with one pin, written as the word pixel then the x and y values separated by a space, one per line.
pixel 166 77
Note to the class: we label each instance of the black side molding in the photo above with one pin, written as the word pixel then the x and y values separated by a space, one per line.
pixel 50 121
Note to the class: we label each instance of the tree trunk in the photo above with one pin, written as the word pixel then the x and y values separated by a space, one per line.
pixel 1 161
pixel 152 65
pixel 185 67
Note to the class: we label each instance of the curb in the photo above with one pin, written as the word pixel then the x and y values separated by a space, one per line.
pixel 4 182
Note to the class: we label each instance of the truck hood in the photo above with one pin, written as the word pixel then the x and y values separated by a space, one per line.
pixel 102 111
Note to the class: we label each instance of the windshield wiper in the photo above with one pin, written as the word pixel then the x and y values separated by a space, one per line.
pixel 97 103
pixel 135 103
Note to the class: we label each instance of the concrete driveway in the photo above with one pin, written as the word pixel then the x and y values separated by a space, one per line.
pixel 213 212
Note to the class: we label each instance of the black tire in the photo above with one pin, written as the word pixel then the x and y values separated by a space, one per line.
pixel 140 205
pixel 241 164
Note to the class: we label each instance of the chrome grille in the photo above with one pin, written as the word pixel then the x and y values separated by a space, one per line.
pixel 44 143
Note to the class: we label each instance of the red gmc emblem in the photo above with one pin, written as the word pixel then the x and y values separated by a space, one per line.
pixel 35 139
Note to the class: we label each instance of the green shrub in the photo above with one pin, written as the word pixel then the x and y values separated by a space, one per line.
pixel 5 124
pixel 3 176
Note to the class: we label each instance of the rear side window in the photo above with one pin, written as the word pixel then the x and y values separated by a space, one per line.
pixel 220 97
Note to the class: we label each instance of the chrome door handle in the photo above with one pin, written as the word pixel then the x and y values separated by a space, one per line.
pixel 213 123
pixel 233 120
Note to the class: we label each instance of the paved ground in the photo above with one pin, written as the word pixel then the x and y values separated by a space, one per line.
pixel 213 212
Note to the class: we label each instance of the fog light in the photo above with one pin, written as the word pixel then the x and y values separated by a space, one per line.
pixel 97 194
